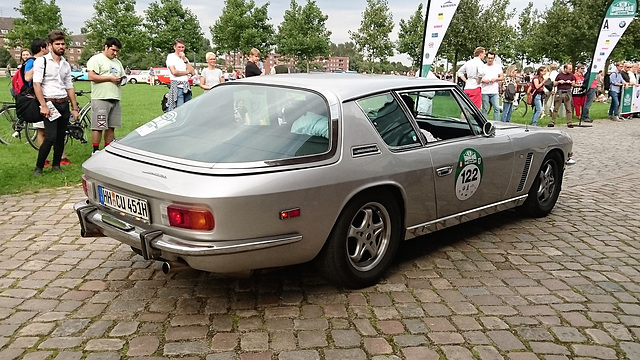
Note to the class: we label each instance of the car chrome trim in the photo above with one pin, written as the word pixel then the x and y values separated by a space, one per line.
pixel 459 218
pixel 444 171
pixel 154 243
pixel 364 150
pixel 525 172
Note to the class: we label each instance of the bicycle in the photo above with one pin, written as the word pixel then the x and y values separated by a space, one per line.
pixel 520 103
pixel 11 127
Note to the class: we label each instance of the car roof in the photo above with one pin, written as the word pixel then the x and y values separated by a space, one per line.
pixel 344 85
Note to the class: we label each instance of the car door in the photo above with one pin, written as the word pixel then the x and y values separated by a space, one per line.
pixel 471 170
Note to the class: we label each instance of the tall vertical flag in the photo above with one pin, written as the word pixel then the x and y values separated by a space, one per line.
pixel 438 18
pixel 617 19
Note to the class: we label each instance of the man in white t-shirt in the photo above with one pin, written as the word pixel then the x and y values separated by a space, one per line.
pixel 470 73
pixel 491 74
pixel 179 71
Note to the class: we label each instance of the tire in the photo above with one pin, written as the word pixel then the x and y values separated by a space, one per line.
pixel 545 189
pixel 156 82
pixel 32 136
pixel 363 241
pixel 8 120
pixel 85 122
pixel 133 81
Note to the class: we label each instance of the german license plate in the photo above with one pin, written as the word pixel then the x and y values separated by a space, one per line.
pixel 129 205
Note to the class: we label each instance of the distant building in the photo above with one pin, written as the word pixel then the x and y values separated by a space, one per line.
pixel 75 49
pixel 6 25
pixel 73 53
pixel 330 64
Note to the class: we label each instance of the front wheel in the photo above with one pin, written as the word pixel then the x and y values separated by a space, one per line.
pixel 32 135
pixel 363 242
pixel 546 187
pixel 133 81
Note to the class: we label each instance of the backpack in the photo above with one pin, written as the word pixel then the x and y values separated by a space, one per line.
pixel 27 106
pixel 510 92
pixel 17 81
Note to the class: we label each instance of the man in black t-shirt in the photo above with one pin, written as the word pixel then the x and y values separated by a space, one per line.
pixel 565 81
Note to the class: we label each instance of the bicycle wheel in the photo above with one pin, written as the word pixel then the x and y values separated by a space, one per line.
pixel 31 133
pixel 523 107
pixel 8 120
pixel 85 123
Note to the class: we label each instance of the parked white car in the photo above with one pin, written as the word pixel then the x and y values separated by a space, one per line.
pixel 138 76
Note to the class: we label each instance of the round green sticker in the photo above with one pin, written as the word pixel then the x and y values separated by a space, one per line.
pixel 468 173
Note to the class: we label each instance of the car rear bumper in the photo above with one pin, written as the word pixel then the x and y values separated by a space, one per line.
pixel 220 256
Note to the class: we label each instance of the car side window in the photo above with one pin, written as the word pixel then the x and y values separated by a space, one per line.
pixel 389 119
pixel 443 114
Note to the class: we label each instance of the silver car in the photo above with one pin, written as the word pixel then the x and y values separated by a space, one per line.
pixel 277 170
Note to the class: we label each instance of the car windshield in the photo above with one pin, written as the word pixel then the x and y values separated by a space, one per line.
pixel 239 123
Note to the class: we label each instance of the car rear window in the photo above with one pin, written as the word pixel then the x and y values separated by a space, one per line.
pixel 239 123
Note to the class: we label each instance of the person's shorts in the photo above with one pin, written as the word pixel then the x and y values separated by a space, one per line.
pixel 105 114
pixel 38 125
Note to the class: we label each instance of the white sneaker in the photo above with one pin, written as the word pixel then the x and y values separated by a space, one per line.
pixel 16 134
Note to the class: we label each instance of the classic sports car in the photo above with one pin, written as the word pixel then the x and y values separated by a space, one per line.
pixel 276 170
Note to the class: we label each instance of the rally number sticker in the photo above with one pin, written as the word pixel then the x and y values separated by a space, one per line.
pixel 468 174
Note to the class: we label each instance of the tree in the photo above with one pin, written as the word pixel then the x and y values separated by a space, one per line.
pixel 498 34
pixel 168 20
pixel 242 26
pixel 115 18
pixel 302 33
pixel 349 50
pixel 465 33
pixel 411 35
pixel 372 38
pixel 527 29
pixel 5 56
pixel 38 19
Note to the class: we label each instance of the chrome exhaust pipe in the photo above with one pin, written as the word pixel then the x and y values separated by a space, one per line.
pixel 173 266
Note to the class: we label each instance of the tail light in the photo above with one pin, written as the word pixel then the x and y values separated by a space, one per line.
pixel 84 186
pixel 87 187
pixel 190 217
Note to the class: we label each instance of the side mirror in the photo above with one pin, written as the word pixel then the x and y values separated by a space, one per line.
pixel 488 129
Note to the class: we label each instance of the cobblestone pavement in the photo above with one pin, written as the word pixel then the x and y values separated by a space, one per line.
pixel 566 286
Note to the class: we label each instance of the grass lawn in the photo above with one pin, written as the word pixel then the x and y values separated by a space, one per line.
pixel 140 103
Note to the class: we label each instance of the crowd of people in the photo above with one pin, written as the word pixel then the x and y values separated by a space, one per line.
pixel 553 90
pixel 48 81
pixel 48 76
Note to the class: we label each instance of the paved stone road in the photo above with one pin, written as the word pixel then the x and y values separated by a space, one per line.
pixel 563 287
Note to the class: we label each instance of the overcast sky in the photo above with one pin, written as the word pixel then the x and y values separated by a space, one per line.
pixel 343 15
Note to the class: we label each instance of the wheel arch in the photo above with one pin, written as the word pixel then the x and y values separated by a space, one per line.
pixel 392 189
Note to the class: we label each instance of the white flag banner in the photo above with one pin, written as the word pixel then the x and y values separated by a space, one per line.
pixel 619 15
pixel 439 15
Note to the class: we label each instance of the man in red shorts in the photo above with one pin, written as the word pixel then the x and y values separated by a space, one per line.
pixel 470 74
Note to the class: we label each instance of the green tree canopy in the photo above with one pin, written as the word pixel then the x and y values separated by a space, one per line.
pixel 167 20
pixel 465 32
pixel 115 18
pixel 38 19
pixel 242 26
pixel 372 38
pixel 411 35
pixel 302 33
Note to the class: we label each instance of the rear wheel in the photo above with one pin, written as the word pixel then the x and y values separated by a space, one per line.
pixel 8 121
pixel 157 82
pixel 546 188
pixel 363 242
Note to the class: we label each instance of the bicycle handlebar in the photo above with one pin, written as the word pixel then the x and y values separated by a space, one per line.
pixel 82 92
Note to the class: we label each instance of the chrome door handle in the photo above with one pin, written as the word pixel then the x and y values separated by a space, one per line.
pixel 444 171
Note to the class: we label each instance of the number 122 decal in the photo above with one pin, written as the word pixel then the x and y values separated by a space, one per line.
pixel 468 173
